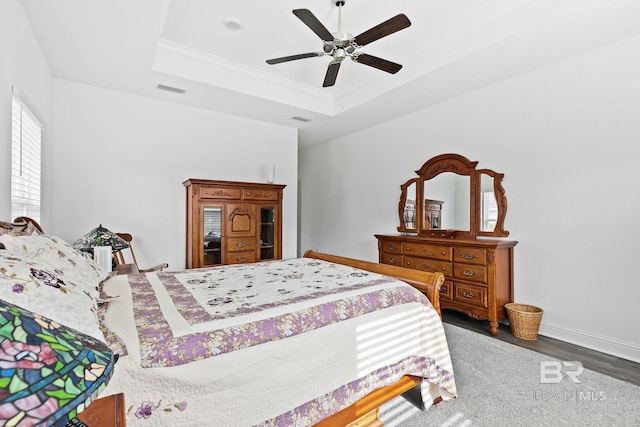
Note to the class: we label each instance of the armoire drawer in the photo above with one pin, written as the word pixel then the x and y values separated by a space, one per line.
pixel 219 193
pixel 426 264
pixel 392 259
pixel 241 244
pixel 442 253
pixel 474 273
pixel 470 294
pixel 470 256
pixel 255 194
pixel 240 257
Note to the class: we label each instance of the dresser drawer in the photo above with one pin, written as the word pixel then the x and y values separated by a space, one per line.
pixel 475 273
pixel 426 264
pixel 470 256
pixel 390 247
pixel 446 290
pixel 255 194
pixel 470 294
pixel 392 259
pixel 240 257
pixel 241 244
pixel 431 251
pixel 219 193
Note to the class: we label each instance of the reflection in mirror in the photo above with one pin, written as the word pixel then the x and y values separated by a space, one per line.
pixel 409 212
pixel 488 204
pixel 453 191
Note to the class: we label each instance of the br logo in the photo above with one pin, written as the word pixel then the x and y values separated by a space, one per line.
pixel 553 371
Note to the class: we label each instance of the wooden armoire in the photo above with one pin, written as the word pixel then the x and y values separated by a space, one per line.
pixel 232 222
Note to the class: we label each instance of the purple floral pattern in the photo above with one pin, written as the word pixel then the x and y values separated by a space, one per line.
pixel 45 275
pixel 230 291
pixel 147 409
pixel 159 348
pixel 326 305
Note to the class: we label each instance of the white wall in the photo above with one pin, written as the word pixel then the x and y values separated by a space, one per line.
pixel 567 138
pixel 120 160
pixel 22 65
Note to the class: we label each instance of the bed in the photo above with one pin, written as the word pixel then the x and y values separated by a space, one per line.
pixel 318 340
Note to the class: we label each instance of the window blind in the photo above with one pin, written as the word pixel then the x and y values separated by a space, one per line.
pixel 212 220
pixel 26 144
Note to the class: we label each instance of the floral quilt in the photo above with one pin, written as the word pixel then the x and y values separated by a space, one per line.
pixel 251 344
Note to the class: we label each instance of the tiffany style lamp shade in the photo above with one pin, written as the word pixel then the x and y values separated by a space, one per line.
pixel 100 236
pixel 48 373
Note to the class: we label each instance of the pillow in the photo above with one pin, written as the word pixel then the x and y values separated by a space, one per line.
pixel 77 266
pixel 18 229
pixel 45 275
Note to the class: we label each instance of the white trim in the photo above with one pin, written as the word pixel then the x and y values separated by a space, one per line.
pixel 619 348
pixel 178 60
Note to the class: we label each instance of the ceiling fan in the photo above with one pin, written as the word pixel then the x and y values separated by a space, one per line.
pixel 340 45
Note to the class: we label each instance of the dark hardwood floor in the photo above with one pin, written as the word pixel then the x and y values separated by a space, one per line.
pixel 613 366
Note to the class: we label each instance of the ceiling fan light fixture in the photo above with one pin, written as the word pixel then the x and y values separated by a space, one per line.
pixel 341 44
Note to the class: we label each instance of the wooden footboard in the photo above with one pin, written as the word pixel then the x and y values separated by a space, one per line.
pixel 426 282
pixel 365 411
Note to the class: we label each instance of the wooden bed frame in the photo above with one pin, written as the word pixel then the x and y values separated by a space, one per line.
pixel 365 412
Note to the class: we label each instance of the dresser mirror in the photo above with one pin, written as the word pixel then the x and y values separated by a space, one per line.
pixel 456 200
pixel 450 192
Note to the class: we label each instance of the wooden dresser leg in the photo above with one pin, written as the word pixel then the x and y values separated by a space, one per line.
pixel 493 328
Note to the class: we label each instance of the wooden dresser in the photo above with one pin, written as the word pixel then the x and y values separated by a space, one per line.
pixel 232 222
pixel 478 273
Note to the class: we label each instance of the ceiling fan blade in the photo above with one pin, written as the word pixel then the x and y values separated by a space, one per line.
pixel 332 74
pixel 312 22
pixel 390 26
pixel 294 57
pixel 379 63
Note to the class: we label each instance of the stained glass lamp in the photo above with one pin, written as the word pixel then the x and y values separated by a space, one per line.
pixel 48 373
pixel 100 236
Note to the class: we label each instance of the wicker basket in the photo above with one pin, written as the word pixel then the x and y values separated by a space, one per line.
pixel 524 320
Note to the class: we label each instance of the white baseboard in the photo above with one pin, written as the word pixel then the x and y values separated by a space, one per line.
pixel 622 349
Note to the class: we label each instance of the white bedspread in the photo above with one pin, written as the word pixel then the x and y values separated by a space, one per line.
pixel 280 343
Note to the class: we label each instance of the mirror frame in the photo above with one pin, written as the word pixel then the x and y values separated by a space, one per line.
pixel 462 166
pixel 402 204
pixel 501 201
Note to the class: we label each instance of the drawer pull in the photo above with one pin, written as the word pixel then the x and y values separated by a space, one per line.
pixel 241 244
pixel 241 259
pixel 468 294
pixel 391 261
pixel 468 273
pixel 468 256
pixel 391 248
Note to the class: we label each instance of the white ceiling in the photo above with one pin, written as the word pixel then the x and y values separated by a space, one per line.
pixel 452 47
